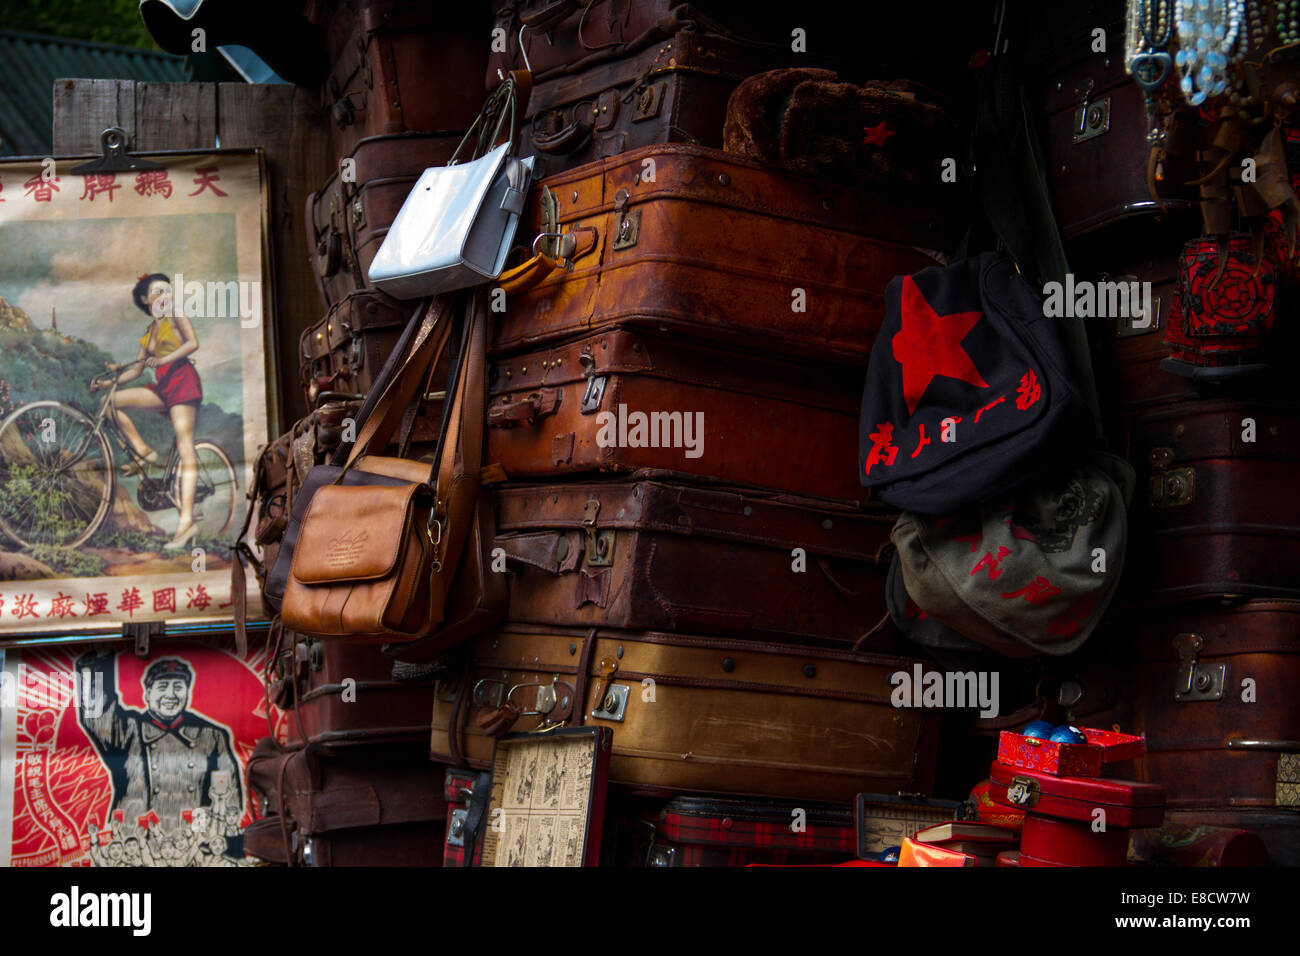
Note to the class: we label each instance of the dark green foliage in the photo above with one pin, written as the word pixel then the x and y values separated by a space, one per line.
pixel 101 21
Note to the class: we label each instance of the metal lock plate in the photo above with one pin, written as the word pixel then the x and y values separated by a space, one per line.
pixel 1196 681
pixel 600 547
pixel 358 214
pixel 593 395
pixel 1127 326
pixel 456 829
pixel 615 703
pixel 649 101
pixel 1091 120
pixel 1023 791
pixel 356 354
pixel 629 225
pixel 1173 488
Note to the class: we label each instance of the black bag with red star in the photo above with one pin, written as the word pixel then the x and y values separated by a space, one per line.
pixel 968 391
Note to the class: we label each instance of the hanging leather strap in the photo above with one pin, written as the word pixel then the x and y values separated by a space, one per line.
pixel 474 816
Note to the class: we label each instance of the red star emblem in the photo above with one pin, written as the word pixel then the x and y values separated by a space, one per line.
pixel 929 345
pixel 876 135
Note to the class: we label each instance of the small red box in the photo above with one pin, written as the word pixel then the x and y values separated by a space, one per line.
pixel 1060 813
pixel 1069 760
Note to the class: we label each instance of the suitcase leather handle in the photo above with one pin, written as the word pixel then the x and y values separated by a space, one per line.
pixel 524 277
pixel 550 15
pixel 529 410
pixel 570 139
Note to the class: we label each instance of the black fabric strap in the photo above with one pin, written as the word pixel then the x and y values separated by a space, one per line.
pixel 482 790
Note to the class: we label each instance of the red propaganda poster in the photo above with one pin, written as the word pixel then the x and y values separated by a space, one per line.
pixel 109 759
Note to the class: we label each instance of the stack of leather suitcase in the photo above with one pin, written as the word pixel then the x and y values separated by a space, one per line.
pixel 1202 650
pixel 688 556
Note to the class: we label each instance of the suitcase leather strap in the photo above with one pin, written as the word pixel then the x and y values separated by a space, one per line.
pixel 479 794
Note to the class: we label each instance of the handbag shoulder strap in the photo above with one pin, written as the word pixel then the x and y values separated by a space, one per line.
pixel 386 414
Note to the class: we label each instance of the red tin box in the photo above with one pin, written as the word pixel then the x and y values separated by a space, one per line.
pixel 1060 813
pixel 1069 760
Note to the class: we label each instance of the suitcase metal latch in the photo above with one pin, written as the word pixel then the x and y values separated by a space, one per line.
pixel 1197 681
pixel 1090 119
pixel 649 100
pixel 595 390
pixel 600 544
pixel 1170 487
pixel 1023 791
pixel 627 222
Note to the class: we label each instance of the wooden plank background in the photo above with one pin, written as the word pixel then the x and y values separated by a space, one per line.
pixel 286 121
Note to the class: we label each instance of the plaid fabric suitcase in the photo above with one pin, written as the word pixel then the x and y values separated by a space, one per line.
pixel 694 714
pixel 574 407
pixel 379 806
pixel 401 66
pixel 717 831
pixel 459 792
pixel 659 554
pixel 688 240
pixel 349 216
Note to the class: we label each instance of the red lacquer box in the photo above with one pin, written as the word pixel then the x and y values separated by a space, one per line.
pixel 1069 760
pixel 1061 814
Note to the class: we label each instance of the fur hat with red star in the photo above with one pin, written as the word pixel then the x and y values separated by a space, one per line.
pixel 968 392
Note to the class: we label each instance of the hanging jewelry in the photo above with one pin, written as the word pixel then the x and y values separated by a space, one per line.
pixel 1207 33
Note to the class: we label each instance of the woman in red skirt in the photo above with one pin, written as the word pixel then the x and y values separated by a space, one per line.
pixel 166 347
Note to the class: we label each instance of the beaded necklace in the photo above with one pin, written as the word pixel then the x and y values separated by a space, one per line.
pixel 1288 21
pixel 1207 33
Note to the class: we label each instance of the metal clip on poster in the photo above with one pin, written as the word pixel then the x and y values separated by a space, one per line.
pixel 115 158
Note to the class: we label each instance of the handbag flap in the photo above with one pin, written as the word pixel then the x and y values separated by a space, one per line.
pixel 353 533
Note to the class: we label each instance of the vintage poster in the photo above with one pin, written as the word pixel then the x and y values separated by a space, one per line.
pixel 134 389
pixel 109 759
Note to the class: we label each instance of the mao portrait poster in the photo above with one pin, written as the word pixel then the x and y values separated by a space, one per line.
pixel 109 759
pixel 133 386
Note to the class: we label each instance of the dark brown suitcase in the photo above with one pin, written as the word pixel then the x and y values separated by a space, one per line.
pixel 749 419
pixel 349 216
pixel 658 555
pixel 402 66
pixel 689 240
pixel 345 352
pixel 1095 144
pixel 378 807
pixel 1212 689
pixel 1215 515
pixel 673 91
pixel 340 696
pixel 565 36
pixel 693 714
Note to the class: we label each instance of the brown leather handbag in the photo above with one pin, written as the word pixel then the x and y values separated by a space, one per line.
pixel 373 562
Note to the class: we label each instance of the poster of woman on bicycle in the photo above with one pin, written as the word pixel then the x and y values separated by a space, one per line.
pixel 133 386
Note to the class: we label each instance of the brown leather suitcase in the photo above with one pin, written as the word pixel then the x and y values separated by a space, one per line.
pixel 655 554
pixel 697 714
pixel 377 807
pixel 688 240
pixel 340 696
pixel 1095 144
pixel 346 350
pixel 673 91
pixel 1212 689
pixel 701 409
pixel 349 216
pixel 1214 517
pixel 566 36
pixel 402 66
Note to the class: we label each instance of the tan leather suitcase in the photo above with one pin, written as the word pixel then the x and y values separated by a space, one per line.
pixel 695 714
pixel 693 241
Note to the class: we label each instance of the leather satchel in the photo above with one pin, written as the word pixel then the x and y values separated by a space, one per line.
pixel 373 561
